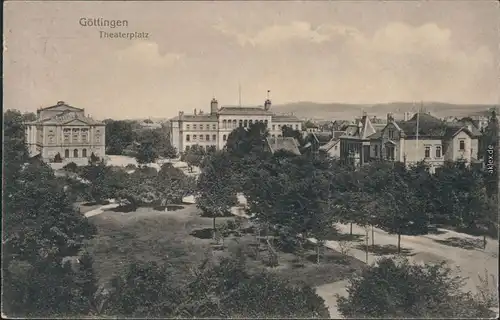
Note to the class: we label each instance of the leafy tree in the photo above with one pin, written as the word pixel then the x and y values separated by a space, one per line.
pixel 29 116
pixel 173 184
pixel 215 193
pixel 145 148
pixel 398 289
pixel 194 156
pixel 146 290
pixel 290 132
pixel 222 290
pixel 119 135
pixel 41 228
pixel 244 141
pixel 402 210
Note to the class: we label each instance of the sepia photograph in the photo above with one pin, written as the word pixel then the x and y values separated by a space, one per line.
pixel 250 159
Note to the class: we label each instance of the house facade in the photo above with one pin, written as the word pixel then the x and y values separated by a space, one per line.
pixel 211 130
pixel 425 137
pixel 65 130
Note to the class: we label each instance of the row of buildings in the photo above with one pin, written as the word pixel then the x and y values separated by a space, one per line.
pixel 65 132
pixel 416 138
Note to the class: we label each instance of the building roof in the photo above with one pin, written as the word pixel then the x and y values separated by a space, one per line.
pixel 67 117
pixel 244 111
pixel 198 118
pixel 61 104
pixel 283 143
pixel 284 118
pixel 362 130
pixel 329 145
pixel 322 137
pixel 431 127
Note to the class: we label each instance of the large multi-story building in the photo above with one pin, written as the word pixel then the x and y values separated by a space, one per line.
pixel 65 131
pixel 210 130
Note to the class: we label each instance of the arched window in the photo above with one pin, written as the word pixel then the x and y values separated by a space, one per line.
pixel 265 121
pixel 214 137
pixel 234 123
pixel 224 124
pixel 224 138
pixel 207 137
pixel 245 123
pixel 66 153
pixel 250 122
pixel 274 136
pixel 279 135
pixel 75 153
pixel 241 123
pixel 84 153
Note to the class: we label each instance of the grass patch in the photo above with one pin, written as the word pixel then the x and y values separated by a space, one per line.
pixel 183 239
pixel 388 249
pixel 467 244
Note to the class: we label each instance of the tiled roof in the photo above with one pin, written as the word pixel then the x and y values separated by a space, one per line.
pixel 244 111
pixel 284 118
pixel 283 143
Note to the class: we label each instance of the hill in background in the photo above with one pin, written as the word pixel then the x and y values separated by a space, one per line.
pixel 326 111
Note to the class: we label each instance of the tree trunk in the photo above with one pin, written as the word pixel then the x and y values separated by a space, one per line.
pixel 214 229
pixel 317 251
pixel 373 237
pixel 399 243
pixel 484 242
pixel 351 229
pixel 366 246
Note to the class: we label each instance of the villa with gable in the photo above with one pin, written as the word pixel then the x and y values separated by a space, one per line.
pixel 65 130
pixel 420 138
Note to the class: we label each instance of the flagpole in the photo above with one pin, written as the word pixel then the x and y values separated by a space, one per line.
pixel 239 93
pixel 416 145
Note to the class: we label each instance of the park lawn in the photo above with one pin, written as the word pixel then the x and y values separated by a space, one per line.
pixel 181 239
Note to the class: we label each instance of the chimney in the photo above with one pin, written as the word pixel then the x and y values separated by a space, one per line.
pixel 390 117
pixel 181 113
pixel 194 111
pixel 214 106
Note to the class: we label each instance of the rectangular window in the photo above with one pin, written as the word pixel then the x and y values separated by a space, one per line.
pixel 214 137
pixel 427 152
pixel 214 127
pixel 462 145
pixel 188 138
pixel 274 127
pixel 201 137
pixel 391 134
pixel 194 137
pixel 438 152
pixel 376 151
pixel 207 137
pixel 188 127
pixel 296 127
pixel 194 127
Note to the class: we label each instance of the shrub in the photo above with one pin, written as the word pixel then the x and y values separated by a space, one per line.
pixel 71 167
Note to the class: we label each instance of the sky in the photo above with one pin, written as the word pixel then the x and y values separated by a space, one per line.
pixel 319 51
